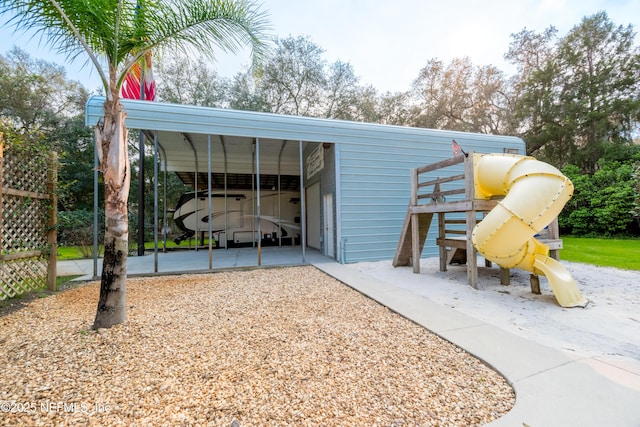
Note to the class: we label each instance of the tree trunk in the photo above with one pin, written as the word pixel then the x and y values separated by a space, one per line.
pixel 111 142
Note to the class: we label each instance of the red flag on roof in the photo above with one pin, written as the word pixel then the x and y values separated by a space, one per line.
pixel 457 150
pixel 139 71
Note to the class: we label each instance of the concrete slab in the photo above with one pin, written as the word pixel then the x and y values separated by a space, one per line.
pixel 196 261
pixel 573 394
pixel 625 364
pixel 516 358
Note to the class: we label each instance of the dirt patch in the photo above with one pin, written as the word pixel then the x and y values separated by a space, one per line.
pixel 287 346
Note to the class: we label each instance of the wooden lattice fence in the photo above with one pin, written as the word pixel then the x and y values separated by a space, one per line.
pixel 28 213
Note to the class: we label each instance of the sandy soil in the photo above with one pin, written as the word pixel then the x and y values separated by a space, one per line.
pixel 274 347
pixel 609 327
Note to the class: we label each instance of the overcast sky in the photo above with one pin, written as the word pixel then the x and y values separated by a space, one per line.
pixel 388 42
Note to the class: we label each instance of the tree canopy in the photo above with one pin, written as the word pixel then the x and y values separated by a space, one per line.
pixel 577 93
pixel 574 99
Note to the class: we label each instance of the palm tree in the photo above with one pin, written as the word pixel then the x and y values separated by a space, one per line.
pixel 115 34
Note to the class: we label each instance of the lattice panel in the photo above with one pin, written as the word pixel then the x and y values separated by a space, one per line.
pixel 25 172
pixel 23 275
pixel 25 215
pixel 24 224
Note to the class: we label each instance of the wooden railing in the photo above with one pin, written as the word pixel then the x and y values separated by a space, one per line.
pixel 457 218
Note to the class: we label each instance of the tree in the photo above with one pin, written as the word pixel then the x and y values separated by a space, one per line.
pixel 74 143
pixel 461 96
pixel 536 91
pixel 35 93
pixel 579 93
pixel 342 92
pixel 635 209
pixel 115 34
pixel 244 94
pixel 181 81
pixel 292 79
pixel 394 109
pixel 600 90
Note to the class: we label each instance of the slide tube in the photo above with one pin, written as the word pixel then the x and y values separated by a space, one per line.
pixel 534 194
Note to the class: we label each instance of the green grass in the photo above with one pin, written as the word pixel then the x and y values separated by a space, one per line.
pixel 619 253
pixel 69 252
pixel 61 280
pixel 76 252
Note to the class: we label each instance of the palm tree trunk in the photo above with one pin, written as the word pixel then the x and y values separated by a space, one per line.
pixel 114 164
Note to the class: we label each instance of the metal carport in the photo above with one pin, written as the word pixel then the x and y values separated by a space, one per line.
pixel 367 165
pixel 214 148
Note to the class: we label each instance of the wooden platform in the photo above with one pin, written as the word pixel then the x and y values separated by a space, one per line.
pixel 456 219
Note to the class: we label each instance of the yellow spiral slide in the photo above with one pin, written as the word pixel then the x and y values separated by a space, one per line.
pixel 534 194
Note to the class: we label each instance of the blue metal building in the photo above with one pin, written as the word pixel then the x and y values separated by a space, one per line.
pixel 353 177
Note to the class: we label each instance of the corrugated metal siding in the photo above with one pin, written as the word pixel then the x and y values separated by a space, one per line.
pixel 375 189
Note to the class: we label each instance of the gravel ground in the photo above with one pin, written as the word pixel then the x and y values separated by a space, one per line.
pixel 268 347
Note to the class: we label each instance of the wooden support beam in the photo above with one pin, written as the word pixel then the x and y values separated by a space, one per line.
pixel 505 277
pixel 416 249
pixel 404 253
pixel 442 249
pixel 52 233
pixel 472 257
pixel 534 280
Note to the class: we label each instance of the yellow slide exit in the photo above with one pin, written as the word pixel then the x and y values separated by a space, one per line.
pixel 534 194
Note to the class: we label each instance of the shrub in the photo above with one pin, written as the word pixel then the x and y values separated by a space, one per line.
pixel 75 228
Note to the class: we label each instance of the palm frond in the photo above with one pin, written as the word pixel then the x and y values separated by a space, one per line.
pixel 121 31
pixel 71 27
pixel 204 25
pixel 230 25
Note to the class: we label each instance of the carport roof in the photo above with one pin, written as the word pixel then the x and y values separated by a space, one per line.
pixel 183 132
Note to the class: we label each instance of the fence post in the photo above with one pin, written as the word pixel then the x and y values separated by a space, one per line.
pixel 1 202
pixel 52 223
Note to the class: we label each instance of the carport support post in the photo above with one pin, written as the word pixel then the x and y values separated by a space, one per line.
pixel 164 204
pixel 95 207
pixel 141 177
pixel 284 143
pixel 195 183
pixel 155 203
pixel 209 201
pixel 303 213
pixel 141 194
pixel 226 204
pixel 258 201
